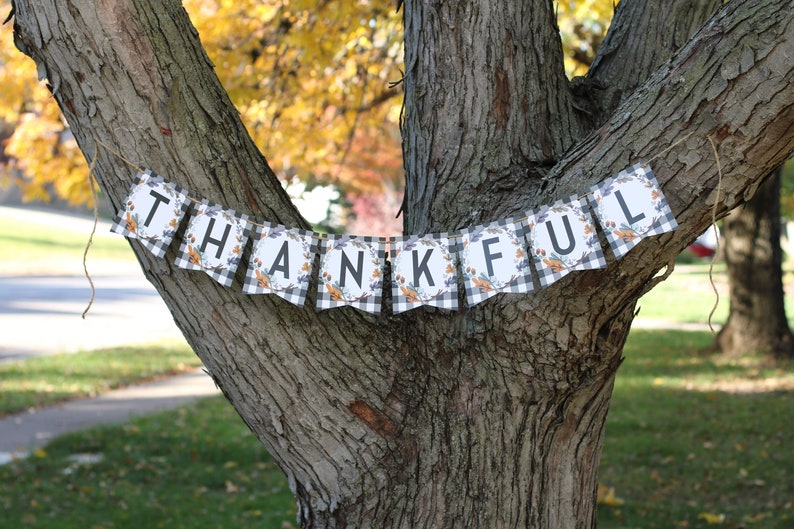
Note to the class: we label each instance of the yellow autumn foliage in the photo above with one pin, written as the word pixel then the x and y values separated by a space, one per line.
pixel 313 82
pixel 583 25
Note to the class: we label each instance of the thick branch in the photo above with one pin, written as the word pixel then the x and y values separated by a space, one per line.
pixel 643 38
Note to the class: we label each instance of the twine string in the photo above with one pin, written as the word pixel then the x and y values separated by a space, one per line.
pixel 95 204
pixel 716 233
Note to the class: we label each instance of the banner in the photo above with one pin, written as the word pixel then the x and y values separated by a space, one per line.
pixel 423 273
pixel 563 238
pixel 493 259
pixel 214 242
pixel 152 212
pixel 281 262
pixel 351 272
pixel 630 206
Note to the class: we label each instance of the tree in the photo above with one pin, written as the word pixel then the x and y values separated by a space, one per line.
pixel 492 416
pixel 757 318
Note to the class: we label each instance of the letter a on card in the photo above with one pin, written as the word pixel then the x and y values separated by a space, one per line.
pixel 214 242
pixel 152 212
pixel 281 262
pixel 563 238
pixel 630 206
pixel 351 272
pixel 493 259
pixel 423 273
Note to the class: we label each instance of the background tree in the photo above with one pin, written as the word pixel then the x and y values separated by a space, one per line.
pixel 757 318
pixel 491 416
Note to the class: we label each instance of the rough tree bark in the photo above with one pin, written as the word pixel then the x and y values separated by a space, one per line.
pixel 492 416
pixel 757 318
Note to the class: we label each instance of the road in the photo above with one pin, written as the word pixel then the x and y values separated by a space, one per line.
pixel 41 314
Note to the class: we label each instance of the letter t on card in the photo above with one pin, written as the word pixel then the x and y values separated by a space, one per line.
pixel 152 212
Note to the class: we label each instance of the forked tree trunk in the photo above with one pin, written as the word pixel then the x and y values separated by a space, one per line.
pixel 492 416
pixel 757 318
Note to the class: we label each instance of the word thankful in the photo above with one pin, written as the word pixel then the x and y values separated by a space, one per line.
pixel 489 258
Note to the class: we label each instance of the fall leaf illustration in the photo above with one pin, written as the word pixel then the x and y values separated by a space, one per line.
pixel 131 225
pixel 483 284
pixel 336 294
pixel 555 264
pixel 262 280
pixel 411 294
pixel 194 256
pixel 627 235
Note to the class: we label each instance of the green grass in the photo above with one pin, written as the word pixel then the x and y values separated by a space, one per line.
pixel 195 468
pixel 693 437
pixel 687 296
pixel 688 435
pixel 37 247
pixel 47 380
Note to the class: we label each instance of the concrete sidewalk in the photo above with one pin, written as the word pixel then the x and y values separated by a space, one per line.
pixel 125 305
pixel 23 433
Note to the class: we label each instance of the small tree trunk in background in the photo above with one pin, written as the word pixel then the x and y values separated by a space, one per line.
pixel 757 318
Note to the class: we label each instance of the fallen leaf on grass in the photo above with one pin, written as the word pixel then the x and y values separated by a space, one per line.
pixel 606 496
pixel 711 518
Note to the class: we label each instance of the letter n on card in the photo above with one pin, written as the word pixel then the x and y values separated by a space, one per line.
pixel 563 238
pixel 423 273
pixel 351 272
pixel 214 242
pixel 281 262
pixel 493 259
pixel 630 206
pixel 152 212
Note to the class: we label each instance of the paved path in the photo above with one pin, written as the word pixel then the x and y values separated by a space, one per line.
pixel 21 434
pixel 41 314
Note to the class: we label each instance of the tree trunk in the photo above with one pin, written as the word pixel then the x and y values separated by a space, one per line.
pixel 492 416
pixel 757 318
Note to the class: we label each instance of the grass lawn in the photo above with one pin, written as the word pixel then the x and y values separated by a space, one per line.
pixel 691 439
pixel 687 296
pixel 47 380
pixel 695 440
pixel 37 247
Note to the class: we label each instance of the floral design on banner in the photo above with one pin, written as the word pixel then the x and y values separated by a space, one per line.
pixel 152 212
pixel 563 238
pixel 281 262
pixel 424 273
pixel 630 206
pixel 351 272
pixel 214 242
pixel 493 259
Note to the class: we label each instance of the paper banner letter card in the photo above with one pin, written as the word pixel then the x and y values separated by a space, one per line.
pixel 152 212
pixel 423 272
pixel 214 242
pixel 493 259
pixel 563 238
pixel 281 262
pixel 351 272
pixel 630 206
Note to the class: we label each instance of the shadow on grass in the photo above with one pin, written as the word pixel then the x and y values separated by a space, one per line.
pixel 681 454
